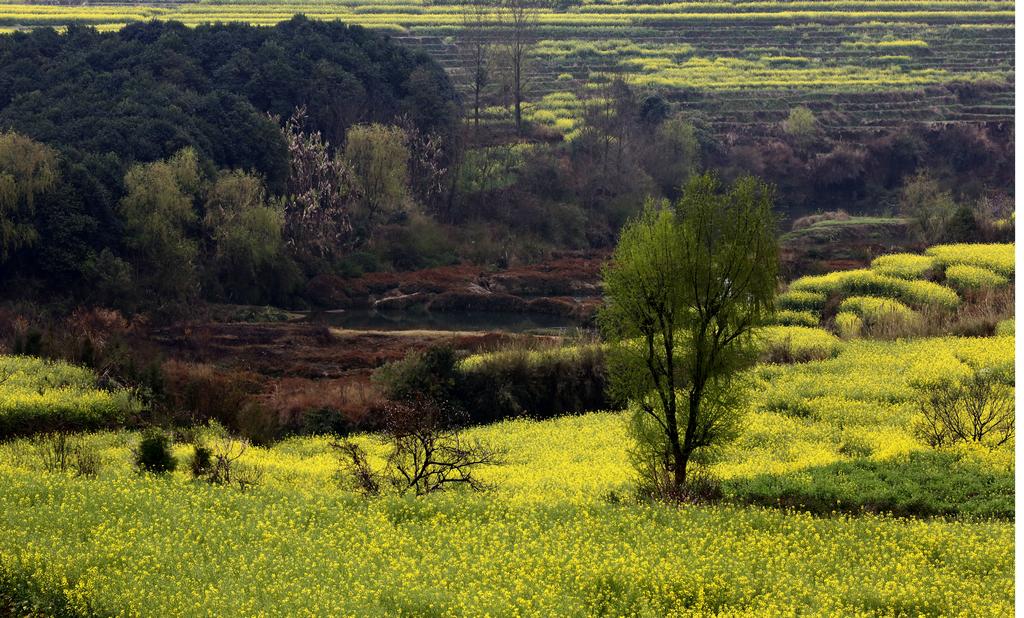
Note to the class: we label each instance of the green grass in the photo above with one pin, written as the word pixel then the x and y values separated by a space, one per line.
pixel 916 484
pixel 852 222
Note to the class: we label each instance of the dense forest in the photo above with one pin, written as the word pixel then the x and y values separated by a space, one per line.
pixel 158 150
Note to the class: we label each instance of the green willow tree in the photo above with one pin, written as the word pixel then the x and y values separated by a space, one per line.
pixel 158 214
pixel 27 170
pixel 246 230
pixel 685 290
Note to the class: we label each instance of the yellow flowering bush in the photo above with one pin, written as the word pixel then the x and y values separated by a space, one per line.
pixel 995 257
pixel 964 276
pixel 848 324
pixel 797 342
pixel 903 265
pixel 918 293
pixel 36 395
pixel 799 300
pixel 790 317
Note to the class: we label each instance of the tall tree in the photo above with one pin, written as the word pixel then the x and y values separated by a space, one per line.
pixel 379 159
pixel 321 192
pixel 158 213
pixel 246 234
pixel 519 22
pixel 476 43
pixel 686 288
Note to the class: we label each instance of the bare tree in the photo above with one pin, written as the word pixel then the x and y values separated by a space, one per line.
pixel 428 453
pixel 977 409
pixel 432 160
pixel 320 194
pixel 476 17
pixel 519 23
pixel 354 465
pixel 220 464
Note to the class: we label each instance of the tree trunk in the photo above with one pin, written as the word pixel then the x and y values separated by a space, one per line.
pixel 476 110
pixel 679 458
pixel 518 94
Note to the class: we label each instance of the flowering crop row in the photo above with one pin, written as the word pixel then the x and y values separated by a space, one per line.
pixel 38 394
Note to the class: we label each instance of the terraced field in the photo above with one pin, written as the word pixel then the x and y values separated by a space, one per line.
pixel 859 64
pixel 898 289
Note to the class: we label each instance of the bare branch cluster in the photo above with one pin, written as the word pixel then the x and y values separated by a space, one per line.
pixel 321 190
pixel 428 453
pixel 220 464
pixel 978 409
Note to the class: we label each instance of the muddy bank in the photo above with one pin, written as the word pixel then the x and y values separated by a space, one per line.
pixel 313 351
pixel 567 286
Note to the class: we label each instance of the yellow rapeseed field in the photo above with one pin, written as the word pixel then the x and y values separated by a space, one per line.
pixel 556 536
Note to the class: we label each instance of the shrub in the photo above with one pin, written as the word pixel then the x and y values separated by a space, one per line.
pixel 979 317
pixel 1005 328
pixel 507 383
pixel 848 325
pixel 196 393
pixel 517 382
pixel 354 466
pixel 153 453
pixel 201 462
pixel 226 469
pixel 427 455
pixel 801 125
pixel 55 451
pixel 929 208
pixel 788 317
pixel 427 452
pixel 317 407
pixel 87 461
pixel 61 452
pixel 968 277
pixel 428 374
